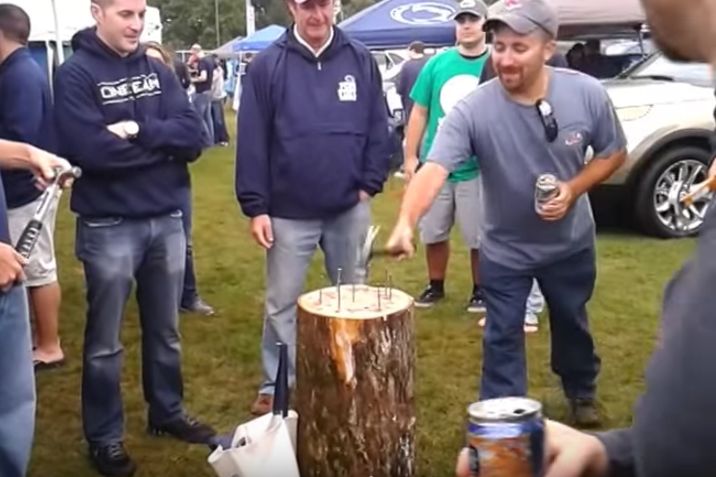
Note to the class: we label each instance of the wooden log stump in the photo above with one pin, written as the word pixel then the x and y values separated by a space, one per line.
pixel 355 383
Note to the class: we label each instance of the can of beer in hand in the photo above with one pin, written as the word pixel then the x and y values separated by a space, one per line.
pixel 546 189
pixel 505 438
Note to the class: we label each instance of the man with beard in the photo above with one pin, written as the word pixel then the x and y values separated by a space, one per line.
pixel 540 120
pixel 673 431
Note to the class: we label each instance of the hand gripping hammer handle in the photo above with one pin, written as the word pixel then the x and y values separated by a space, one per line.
pixel 29 236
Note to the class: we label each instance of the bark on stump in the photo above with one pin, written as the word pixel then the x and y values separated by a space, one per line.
pixel 355 383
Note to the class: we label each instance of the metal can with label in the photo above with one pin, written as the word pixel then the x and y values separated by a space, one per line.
pixel 505 438
pixel 546 189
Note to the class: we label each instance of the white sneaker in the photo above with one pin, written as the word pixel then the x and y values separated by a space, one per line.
pixel 531 323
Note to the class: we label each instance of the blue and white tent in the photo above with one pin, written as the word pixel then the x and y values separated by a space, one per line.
pixel 394 24
pixel 260 39
pixel 397 23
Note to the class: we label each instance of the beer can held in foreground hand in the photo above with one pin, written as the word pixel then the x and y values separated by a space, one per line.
pixel 546 189
pixel 506 438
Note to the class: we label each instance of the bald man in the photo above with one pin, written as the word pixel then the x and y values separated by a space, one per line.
pixel 674 428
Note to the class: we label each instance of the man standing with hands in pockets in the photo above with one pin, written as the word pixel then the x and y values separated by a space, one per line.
pixel 542 120
pixel 312 149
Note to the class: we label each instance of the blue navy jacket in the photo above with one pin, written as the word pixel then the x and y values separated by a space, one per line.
pixel 312 132
pixel 142 177
pixel 25 116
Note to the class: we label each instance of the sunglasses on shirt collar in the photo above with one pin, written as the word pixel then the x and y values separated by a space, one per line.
pixel 549 122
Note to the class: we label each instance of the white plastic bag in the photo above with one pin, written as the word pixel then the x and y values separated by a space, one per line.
pixel 262 447
pixel 265 446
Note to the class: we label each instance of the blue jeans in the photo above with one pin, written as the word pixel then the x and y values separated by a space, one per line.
pixel 567 286
pixel 287 262
pixel 116 252
pixel 17 384
pixel 189 294
pixel 202 105
pixel 217 114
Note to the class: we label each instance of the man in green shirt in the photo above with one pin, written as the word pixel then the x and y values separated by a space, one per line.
pixel 446 79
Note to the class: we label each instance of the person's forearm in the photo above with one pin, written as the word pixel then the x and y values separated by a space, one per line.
pixel 421 193
pixel 414 133
pixel 597 171
pixel 14 155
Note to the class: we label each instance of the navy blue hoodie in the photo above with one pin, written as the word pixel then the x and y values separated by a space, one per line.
pixel 312 132
pixel 25 116
pixel 143 177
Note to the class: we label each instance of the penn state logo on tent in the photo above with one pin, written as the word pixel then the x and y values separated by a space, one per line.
pixel 423 13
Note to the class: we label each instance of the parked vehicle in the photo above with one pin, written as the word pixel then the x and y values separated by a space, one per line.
pixel 666 111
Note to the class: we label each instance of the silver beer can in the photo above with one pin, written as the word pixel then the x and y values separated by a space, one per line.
pixel 546 189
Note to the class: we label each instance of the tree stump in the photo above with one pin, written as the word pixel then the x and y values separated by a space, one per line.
pixel 355 383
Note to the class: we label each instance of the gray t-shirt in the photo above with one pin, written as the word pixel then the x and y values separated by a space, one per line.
pixel 509 140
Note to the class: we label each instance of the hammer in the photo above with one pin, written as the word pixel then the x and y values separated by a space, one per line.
pixel 367 252
pixel 29 236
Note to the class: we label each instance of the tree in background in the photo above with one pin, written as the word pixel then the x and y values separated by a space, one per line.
pixel 193 21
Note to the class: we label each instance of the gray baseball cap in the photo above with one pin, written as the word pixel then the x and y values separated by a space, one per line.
pixel 472 7
pixel 524 16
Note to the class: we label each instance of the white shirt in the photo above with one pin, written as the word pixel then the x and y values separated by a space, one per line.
pixel 320 51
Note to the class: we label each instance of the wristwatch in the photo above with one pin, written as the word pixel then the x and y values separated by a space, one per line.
pixel 131 129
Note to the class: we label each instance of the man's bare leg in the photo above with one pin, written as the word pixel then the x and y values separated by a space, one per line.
pixel 45 306
pixel 437 256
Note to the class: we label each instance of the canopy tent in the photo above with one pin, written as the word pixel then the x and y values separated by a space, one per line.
pixel 73 15
pixel 54 22
pixel 227 49
pixel 260 39
pixel 396 23
pixel 580 19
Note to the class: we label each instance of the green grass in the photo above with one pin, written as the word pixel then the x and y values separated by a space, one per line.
pixel 221 354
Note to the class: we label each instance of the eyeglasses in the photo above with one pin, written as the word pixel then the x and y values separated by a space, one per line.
pixel 549 122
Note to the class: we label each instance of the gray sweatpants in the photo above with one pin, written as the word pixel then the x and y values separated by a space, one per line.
pixel 287 262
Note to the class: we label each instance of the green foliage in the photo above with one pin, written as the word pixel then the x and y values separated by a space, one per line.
pixel 191 21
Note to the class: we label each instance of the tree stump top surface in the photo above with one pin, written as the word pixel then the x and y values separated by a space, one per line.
pixel 357 302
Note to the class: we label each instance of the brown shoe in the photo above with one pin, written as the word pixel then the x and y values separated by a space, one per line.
pixel 584 413
pixel 262 405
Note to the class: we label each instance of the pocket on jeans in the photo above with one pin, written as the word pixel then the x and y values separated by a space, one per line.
pixel 102 222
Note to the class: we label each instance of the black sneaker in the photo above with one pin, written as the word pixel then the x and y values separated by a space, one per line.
pixel 584 413
pixel 112 460
pixel 477 303
pixel 185 429
pixel 429 297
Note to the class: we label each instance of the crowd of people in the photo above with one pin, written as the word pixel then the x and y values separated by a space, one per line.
pixel 312 152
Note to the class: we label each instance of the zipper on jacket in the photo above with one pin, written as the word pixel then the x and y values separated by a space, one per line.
pixel 319 66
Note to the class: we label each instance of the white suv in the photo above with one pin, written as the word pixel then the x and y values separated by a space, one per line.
pixel 666 110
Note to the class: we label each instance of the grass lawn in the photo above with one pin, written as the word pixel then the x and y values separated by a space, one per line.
pixel 221 354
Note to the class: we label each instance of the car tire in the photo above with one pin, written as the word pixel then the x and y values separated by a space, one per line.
pixel 662 170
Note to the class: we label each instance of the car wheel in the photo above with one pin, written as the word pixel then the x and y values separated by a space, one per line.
pixel 670 176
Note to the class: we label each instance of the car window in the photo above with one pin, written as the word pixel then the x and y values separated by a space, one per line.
pixel 381 58
pixel 395 58
pixel 695 73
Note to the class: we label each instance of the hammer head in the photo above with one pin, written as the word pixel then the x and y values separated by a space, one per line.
pixel 365 253
pixel 64 174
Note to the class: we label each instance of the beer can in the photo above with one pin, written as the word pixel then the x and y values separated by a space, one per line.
pixel 546 188
pixel 506 437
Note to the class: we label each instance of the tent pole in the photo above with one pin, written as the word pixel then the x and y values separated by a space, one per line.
pixel 58 34
pixel 50 69
pixel 250 18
